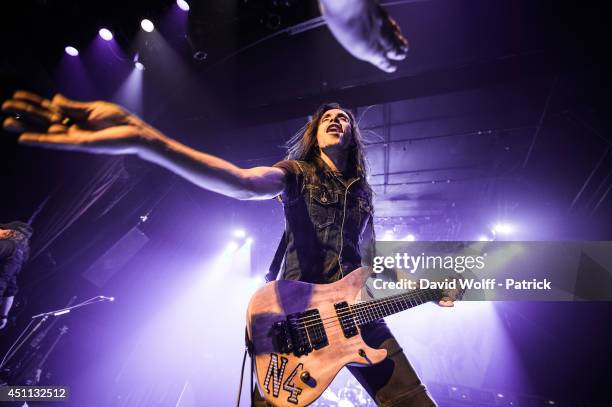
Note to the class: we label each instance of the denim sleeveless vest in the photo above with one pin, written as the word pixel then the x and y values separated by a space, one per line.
pixel 325 217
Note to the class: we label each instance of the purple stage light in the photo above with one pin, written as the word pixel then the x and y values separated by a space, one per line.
pixel 388 235
pixel 503 228
pixel 137 64
pixel 183 5
pixel 249 240
pixel 147 25
pixel 409 238
pixel 483 238
pixel 106 34
pixel 72 51
pixel 239 233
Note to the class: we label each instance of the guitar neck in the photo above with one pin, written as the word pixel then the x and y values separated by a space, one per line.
pixel 372 310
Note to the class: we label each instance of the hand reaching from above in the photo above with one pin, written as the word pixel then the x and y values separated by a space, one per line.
pixel 365 30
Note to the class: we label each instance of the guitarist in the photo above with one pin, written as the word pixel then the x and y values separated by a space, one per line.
pixel 322 183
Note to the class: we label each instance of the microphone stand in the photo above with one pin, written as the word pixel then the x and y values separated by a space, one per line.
pixel 62 311
pixel 43 318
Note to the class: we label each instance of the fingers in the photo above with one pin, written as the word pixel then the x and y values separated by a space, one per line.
pixel 30 112
pixel 446 303
pixel 397 54
pixel 30 97
pixel 392 40
pixel 14 125
pixel 35 114
pixel 398 43
pixel 392 45
pixel 75 109
pixel 57 128
pixel 59 141
pixel 36 100
pixel 117 140
pixel 380 60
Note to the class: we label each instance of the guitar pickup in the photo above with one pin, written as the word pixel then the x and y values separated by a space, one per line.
pixel 345 316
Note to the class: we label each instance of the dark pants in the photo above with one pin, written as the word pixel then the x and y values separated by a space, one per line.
pixel 391 383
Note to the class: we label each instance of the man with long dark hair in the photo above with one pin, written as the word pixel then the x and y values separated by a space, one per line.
pixel 322 184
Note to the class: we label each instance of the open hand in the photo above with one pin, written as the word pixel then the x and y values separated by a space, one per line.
pixel 62 123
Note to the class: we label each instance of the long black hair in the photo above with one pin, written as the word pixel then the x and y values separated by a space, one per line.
pixel 303 145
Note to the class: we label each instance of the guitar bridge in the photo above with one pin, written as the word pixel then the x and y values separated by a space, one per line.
pixel 300 333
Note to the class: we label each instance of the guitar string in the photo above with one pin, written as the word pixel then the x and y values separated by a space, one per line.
pixel 381 301
pixel 364 312
pixel 361 315
pixel 368 309
pixel 330 327
pixel 367 306
pixel 375 306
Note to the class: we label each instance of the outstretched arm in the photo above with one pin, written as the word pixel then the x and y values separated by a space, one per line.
pixel 105 128
pixel 365 30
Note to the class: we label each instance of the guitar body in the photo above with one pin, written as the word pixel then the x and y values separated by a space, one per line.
pixel 291 375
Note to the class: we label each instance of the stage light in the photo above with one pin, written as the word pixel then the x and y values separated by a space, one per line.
pixel 137 63
pixel 232 246
pixel 503 228
pixel 483 238
pixel 409 238
pixel 239 233
pixel 388 235
pixel 106 34
pixel 249 240
pixel 147 25
pixel 183 5
pixel 72 51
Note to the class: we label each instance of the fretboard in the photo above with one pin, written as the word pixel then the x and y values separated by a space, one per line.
pixel 368 311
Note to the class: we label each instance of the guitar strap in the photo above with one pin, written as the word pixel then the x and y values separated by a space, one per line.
pixel 274 268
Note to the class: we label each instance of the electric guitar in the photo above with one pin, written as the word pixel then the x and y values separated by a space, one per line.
pixel 302 334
